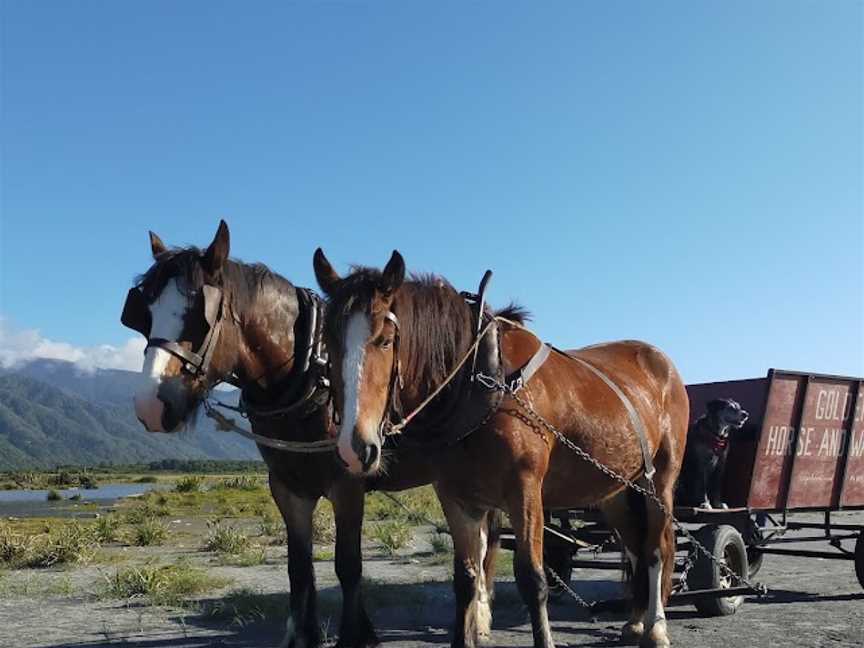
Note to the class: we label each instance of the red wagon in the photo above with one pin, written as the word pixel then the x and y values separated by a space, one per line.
pixel 801 452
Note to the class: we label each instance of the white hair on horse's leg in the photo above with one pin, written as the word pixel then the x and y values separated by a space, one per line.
pixel 484 611
pixel 655 616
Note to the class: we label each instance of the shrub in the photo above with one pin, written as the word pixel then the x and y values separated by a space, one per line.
pixel 323 525
pixel 166 585
pixel 145 511
pixel 392 536
pixel 224 538
pixel 189 484
pixel 252 556
pixel 53 496
pixel 14 547
pixel 149 532
pixel 441 543
pixel 268 525
pixel 106 527
pixel 239 482
pixel 73 543
pixel 147 479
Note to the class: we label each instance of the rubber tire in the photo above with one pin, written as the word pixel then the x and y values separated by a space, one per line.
pixel 754 562
pixel 705 574
pixel 859 558
pixel 559 562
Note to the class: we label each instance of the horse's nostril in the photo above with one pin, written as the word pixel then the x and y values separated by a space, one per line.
pixel 370 454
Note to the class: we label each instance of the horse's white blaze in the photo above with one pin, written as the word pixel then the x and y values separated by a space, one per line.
pixel 356 336
pixel 166 314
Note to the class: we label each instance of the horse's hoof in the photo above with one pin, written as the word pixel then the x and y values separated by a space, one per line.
pixel 656 637
pixel 631 633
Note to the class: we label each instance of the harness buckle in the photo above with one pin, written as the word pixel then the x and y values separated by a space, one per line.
pixel 516 384
pixel 488 382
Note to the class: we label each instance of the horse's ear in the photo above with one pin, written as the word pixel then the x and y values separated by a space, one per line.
pixel 217 253
pixel 393 275
pixel 156 245
pixel 324 272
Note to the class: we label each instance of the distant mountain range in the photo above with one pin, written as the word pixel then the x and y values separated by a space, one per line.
pixel 52 413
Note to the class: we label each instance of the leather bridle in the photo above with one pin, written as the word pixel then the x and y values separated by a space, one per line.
pixel 136 315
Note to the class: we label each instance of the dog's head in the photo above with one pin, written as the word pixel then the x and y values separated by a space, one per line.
pixel 726 415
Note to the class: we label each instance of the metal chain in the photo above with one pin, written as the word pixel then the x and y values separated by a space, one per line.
pixel 570 592
pixel 629 483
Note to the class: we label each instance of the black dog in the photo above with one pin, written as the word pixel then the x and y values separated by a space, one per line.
pixel 701 480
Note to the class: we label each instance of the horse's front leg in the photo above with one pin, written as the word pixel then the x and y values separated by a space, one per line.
pixel 356 630
pixel 525 504
pixel 302 629
pixel 469 529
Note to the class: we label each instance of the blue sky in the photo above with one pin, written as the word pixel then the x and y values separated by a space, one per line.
pixel 688 173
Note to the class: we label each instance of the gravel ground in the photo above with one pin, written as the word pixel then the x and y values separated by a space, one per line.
pixel 812 602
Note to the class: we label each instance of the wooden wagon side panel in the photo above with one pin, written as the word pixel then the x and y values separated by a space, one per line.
pixel 821 444
pixel 773 458
pixel 852 488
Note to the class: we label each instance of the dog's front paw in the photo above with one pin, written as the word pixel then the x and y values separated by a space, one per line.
pixel 706 505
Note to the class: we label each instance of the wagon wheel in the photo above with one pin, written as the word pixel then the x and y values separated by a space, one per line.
pixel 754 561
pixel 859 557
pixel 726 546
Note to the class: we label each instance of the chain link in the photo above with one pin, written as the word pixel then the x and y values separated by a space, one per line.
pixel 629 483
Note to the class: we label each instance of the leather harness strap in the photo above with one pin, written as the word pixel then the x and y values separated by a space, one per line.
pixel 635 419
pixel 519 378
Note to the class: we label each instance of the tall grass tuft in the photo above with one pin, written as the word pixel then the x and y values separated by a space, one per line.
pixel 165 585
pixel 392 536
pixel 226 539
pixel 149 532
pixel 106 528
pixel 189 484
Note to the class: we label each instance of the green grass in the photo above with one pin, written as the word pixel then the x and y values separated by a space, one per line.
pixel 160 585
pixel 323 524
pixel 106 527
pixel 252 556
pixel 226 539
pixel 417 506
pixel 63 544
pixel 189 484
pixel 269 525
pixel 441 543
pixel 149 532
pixel 34 586
pixel 143 511
pixel 239 482
pixel 391 536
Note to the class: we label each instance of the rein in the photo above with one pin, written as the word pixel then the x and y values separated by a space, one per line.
pixel 396 428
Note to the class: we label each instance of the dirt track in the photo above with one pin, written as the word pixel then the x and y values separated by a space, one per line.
pixel 812 602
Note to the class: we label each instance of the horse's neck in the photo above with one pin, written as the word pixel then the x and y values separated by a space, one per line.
pixel 267 340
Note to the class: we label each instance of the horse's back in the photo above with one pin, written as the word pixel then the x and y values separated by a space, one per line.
pixel 633 363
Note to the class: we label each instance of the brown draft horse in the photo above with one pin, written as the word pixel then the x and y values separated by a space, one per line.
pixel 263 323
pixel 395 341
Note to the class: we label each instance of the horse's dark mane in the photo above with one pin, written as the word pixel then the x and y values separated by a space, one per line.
pixel 242 281
pixel 436 323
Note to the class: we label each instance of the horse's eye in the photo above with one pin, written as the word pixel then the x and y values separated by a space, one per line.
pixel 384 343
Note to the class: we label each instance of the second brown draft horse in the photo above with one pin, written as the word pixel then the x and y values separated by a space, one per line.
pixel 395 342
